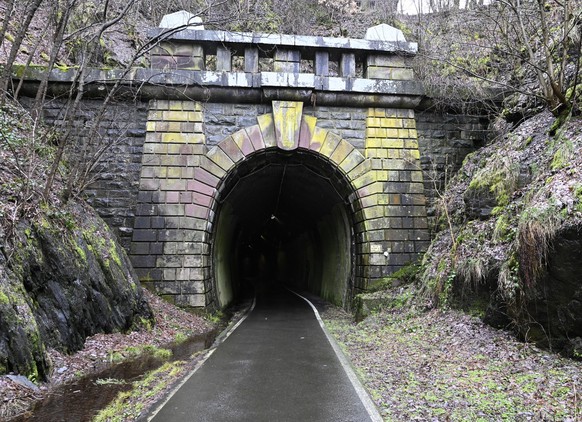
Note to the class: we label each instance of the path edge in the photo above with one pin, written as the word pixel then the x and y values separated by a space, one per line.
pixel 356 383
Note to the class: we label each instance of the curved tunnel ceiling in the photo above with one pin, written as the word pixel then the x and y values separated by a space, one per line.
pixel 290 187
pixel 292 202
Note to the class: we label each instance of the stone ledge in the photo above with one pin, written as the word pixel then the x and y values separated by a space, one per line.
pixel 233 87
pixel 308 45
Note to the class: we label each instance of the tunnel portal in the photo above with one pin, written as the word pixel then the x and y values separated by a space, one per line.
pixel 283 220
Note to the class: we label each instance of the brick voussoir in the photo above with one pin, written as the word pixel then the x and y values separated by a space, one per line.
pixel 231 149
pixel 267 128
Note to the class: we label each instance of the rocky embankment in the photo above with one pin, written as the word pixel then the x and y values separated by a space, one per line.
pixel 510 237
pixel 63 278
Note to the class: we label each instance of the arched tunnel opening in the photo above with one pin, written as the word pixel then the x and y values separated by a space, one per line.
pixel 283 220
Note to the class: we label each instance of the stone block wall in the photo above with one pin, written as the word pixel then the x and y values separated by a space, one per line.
pixel 168 247
pixel 399 228
pixel 146 189
pixel 222 120
pixel 445 139
pixel 117 147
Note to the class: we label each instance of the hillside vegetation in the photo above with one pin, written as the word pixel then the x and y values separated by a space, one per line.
pixel 507 244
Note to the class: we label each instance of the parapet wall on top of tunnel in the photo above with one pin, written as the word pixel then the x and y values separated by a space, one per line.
pixel 354 102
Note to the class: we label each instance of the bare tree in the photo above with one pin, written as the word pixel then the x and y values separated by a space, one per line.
pixel 27 11
pixel 527 47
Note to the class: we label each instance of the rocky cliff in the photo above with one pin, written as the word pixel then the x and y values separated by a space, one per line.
pixel 63 278
pixel 511 234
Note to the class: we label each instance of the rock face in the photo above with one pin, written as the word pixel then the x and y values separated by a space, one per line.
pixel 65 278
pixel 511 237
pixel 558 302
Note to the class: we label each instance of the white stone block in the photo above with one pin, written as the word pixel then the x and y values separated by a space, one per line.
pixel 182 18
pixel 384 32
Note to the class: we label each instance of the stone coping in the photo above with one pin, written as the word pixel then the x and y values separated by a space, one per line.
pixel 308 45
pixel 233 87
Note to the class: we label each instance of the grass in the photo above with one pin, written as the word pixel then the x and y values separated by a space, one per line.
pixel 443 365
pixel 129 405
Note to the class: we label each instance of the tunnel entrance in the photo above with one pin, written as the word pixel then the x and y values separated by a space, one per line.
pixel 283 219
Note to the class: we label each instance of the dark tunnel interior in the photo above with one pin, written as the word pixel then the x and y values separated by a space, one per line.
pixel 283 221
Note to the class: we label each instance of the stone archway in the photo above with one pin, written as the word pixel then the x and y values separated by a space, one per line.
pixel 285 138
pixel 374 194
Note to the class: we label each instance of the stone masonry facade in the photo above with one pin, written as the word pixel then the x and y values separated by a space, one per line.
pixel 160 182
pixel 181 177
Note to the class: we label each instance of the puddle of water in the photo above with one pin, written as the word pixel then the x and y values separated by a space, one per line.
pixel 81 400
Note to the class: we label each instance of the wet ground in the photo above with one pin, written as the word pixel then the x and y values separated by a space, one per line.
pixel 277 365
pixel 80 401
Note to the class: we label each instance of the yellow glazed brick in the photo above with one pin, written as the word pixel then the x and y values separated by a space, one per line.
pixel 341 152
pixel 381 175
pixel 172 137
pixel 403 133
pixel 409 123
pixel 373 143
pixel 267 127
pixel 183 138
pixel 150 126
pixel 373 212
pixel 375 132
pixel 196 138
pixel 195 116
pixel 174 173
pixel 392 122
pixel 331 142
pixel 376 112
pixel 219 157
pixel 393 143
pixel 351 161
pixel 392 133
pixel 374 122
pixel 364 180
pixel 413 133
pixel 155 115
pixel 393 153
pixel 153 138
pixel 175 116
pixel 411 154
pixel 174 127
pixel 176 105
pixel 377 153
pixel 317 139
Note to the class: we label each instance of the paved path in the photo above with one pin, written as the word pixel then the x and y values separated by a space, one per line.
pixel 278 365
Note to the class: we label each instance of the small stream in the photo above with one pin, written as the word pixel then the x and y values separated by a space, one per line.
pixel 81 400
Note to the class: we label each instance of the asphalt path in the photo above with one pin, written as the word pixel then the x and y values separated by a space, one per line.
pixel 278 365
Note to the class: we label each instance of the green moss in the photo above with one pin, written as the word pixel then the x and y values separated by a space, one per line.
pixel 128 405
pixel 180 338
pixel 113 253
pixel 3 298
pixel 503 231
pixel 81 252
pixel 157 352
pixel 498 178
pixel 563 156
